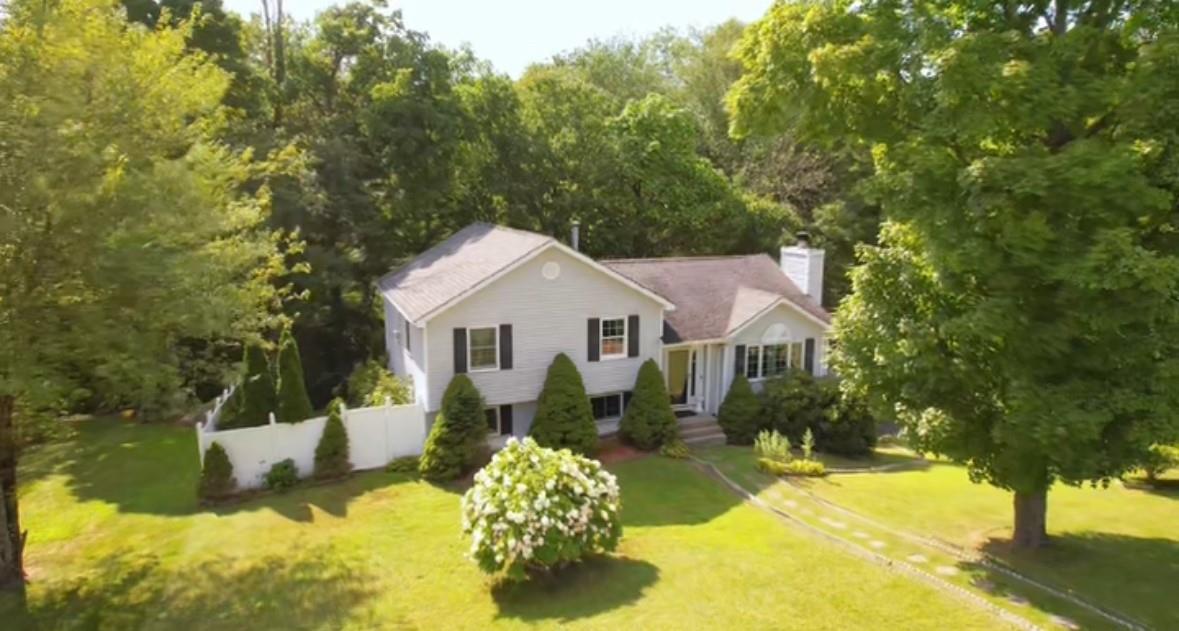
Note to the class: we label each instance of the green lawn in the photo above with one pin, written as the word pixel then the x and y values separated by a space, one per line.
pixel 1117 547
pixel 116 542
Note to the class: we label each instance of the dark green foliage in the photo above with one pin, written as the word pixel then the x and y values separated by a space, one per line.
pixel 217 480
pixel 793 402
pixel 649 421
pixel 282 476
pixel 458 435
pixel 256 392
pixel 404 464
pixel 675 448
pixel 848 427
pixel 331 454
pixel 564 418
pixel 293 404
pixel 841 424
pixel 740 415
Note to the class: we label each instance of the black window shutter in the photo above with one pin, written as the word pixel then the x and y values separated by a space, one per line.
pixel 460 351
pixel 505 347
pixel 626 399
pixel 808 355
pixel 505 418
pixel 632 336
pixel 740 369
pixel 593 348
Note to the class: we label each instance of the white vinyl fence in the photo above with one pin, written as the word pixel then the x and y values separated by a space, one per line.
pixel 376 435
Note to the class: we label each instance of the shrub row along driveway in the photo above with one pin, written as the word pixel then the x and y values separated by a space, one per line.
pixel 117 542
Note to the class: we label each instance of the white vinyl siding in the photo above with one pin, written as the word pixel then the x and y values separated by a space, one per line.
pixel 797 328
pixel 403 344
pixel 547 317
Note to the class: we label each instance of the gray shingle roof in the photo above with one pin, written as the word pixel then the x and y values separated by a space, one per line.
pixel 456 266
pixel 714 295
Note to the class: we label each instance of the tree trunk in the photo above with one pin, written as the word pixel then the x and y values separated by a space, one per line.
pixel 1031 519
pixel 12 539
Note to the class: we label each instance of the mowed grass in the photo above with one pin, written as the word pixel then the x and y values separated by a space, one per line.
pixel 117 542
pixel 1117 547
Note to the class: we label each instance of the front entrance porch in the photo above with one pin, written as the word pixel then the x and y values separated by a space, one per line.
pixel 693 372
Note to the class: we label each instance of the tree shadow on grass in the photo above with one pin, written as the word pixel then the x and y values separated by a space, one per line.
pixel 658 491
pixel 1125 574
pixel 586 589
pixel 135 591
pixel 155 469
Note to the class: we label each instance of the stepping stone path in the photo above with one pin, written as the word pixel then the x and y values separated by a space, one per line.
pixel 833 523
pixel 875 543
pixel 946 570
pixel 984 584
pixel 1064 622
pixel 790 503
pixel 1017 600
pixel 860 535
pixel 917 558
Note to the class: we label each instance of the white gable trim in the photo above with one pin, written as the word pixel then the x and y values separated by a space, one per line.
pixel 774 305
pixel 528 256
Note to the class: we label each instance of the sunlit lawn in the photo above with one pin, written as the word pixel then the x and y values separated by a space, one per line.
pixel 1116 546
pixel 117 542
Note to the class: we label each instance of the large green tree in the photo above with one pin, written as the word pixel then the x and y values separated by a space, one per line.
pixel 123 230
pixel 1019 315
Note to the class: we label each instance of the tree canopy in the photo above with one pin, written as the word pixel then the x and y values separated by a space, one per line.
pixel 1019 314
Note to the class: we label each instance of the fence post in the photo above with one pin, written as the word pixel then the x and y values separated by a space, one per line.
pixel 272 420
pixel 388 401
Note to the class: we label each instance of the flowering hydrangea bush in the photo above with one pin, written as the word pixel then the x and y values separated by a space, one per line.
pixel 536 508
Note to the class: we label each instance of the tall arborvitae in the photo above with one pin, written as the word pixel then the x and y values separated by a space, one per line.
pixel 563 414
pixel 648 421
pixel 293 403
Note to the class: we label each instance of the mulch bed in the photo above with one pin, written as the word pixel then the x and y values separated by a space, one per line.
pixel 613 450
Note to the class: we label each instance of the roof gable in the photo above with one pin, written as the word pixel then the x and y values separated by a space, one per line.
pixel 468 261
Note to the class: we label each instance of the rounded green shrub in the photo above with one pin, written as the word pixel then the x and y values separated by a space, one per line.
pixel 282 475
pixel 649 421
pixel 294 406
pixel 533 508
pixel 847 428
pixel 740 413
pixel 458 435
pixel 217 481
pixel 331 454
pixel 564 418
pixel 793 402
pixel 404 464
pixel 370 384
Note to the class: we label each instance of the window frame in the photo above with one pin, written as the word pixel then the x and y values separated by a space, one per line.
pixel 758 376
pixel 602 355
pixel 470 342
pixel 791 349
pixel 621 406
pixel 498 430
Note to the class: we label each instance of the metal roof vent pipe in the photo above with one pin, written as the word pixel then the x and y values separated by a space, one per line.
pixel 575 236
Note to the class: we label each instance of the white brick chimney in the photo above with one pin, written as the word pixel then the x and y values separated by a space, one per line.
pixel 804 265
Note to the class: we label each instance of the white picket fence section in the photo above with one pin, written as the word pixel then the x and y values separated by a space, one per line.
pixel 376 435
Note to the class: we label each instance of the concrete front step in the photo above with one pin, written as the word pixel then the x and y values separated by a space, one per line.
pixel 699 430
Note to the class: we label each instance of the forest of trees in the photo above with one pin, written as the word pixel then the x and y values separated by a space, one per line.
pixel 389 142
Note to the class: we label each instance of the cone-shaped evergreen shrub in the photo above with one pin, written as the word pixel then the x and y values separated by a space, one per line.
pixel 563 414
pixel 256 392
pixel 217 479
pixel 649 422
pixel 293 404
pixel 331 454
pixel 740 413
pixel 458 434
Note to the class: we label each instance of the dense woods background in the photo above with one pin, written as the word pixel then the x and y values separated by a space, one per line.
pixel 399 142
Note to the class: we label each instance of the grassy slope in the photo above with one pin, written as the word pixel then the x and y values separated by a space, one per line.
pixel 1118 547
pixel 117 543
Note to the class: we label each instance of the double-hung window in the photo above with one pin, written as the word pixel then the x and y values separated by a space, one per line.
pixel 483 348
pixel 613 338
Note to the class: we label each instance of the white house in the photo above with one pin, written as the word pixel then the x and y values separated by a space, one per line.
pixel 499 304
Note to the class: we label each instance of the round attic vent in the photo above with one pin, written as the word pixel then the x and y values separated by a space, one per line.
pixel 551 270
